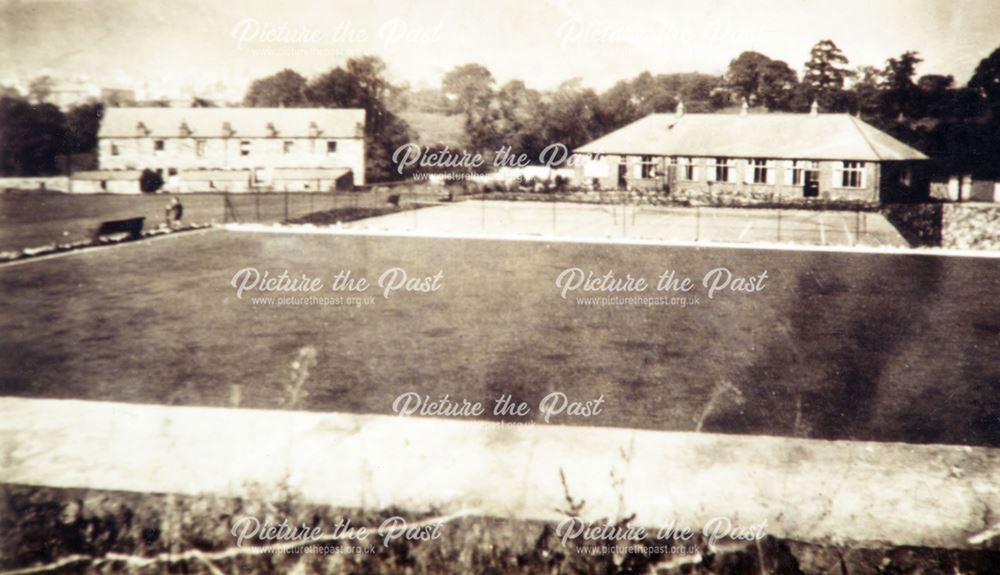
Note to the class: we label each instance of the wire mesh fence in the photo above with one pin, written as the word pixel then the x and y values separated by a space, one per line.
pixel 617 221
pixel 264 207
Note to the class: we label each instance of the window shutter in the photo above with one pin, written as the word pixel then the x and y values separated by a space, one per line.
pixel 789 172
pixel 772 172
pixel 864 174
pixel 694 169
pixel 838 174
pixel 710 171
pixel 747 171
pixel 637 169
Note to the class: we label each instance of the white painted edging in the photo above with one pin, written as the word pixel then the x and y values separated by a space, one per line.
pixel 821 491
pixel 306 229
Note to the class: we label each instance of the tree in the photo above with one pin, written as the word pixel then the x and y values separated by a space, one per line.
pixel 282 90
pixel 762 81
pixel 517 126
pixel 571 115
pixel 31 137
pixel 40 89
pixel 825 73
pixel 936 96
pixel 83 122
pixel 899 92
pixel 470 89
pixel 362 84
pixel 986 80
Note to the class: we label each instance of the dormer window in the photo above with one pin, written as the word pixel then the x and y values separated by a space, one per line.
pixel 314 131
pixel 271 130
pixel 158 145
pixel 227 129
pixel 185 130
pixel 141 130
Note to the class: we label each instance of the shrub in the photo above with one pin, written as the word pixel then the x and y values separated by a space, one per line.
pixel 150 182
pixel 561 183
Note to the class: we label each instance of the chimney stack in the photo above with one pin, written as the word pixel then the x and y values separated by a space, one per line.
pixel 745 109
pixel 680 109
pixel 814 109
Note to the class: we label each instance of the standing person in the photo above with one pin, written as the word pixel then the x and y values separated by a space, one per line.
pixel 174 212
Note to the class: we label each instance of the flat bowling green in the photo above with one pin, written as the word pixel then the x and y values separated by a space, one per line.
pixel 836 346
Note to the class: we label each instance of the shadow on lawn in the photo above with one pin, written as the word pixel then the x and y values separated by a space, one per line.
pixel 826 387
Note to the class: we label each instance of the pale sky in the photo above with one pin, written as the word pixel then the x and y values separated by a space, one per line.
pixel 542 42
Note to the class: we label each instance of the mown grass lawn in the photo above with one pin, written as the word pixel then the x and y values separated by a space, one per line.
pixel 31 219
pixel 839 346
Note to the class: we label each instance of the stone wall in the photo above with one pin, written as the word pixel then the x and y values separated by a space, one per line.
pixel 717 197
pixel 51 184
pixel 966 226
pixel 971 226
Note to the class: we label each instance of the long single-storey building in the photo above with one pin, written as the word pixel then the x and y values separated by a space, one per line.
pixel 834 156
pixel 235 149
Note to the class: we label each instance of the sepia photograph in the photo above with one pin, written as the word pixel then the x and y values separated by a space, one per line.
pixel 552 287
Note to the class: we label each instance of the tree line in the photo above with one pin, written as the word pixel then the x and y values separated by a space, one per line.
pixel 958 126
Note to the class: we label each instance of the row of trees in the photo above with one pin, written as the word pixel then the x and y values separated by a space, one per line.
pixel 959 126
pixel 34 136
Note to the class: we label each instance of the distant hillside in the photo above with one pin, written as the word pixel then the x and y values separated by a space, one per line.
pixel 430 128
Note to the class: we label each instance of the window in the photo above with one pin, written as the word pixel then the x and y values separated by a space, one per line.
pixel 331 147
pixel 648 168
pixel 158 145
pixel 798 170
pixel 760 169
pixel 114 149
pixel 685 168
pixel 199 148
pixel 244 147
pixel 721 170
pixel 849 174
pixel 287 146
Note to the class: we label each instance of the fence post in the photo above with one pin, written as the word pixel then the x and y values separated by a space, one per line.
pixel 779 225
pixel 286 202
pixel 553 214
pixel 256 204
pixel 857 226
pixel 697 223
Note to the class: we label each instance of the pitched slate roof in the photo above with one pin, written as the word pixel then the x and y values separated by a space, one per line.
pixel 244 122
pixel 790 136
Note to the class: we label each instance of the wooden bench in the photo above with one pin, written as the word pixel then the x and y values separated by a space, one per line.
pixel 131 226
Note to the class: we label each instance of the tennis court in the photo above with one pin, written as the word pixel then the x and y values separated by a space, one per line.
pixel 804 227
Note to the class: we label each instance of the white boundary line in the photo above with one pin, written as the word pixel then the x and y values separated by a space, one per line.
pixel 86 249
pixel 884 250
